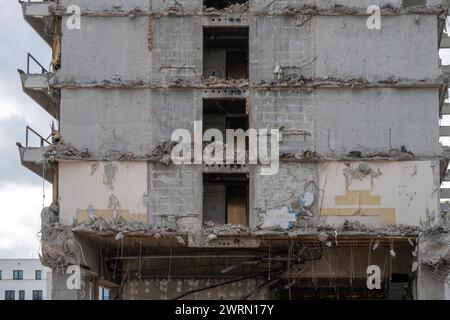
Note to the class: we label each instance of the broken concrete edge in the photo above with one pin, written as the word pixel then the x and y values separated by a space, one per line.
pixel 434 250
pixel 300 82
pixel 162 154
pixel 61 249
pixel 311 10
pixel 338 9
pixel 120 228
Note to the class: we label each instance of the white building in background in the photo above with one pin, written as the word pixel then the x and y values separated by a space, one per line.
pixel 24 279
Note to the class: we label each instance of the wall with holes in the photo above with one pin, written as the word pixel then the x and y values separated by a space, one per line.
pixel 281 190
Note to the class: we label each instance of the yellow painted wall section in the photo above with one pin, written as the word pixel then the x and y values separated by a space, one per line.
pixel 378 193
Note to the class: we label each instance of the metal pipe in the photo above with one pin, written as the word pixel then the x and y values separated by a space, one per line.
pixel 42 139
pixel 43 70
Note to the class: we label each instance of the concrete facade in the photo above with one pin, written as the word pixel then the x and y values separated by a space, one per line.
pixel 349 102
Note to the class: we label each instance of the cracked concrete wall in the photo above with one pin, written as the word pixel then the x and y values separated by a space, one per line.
pixel 387 193
pixel 175 196
pixel 280 190
pixel 102 189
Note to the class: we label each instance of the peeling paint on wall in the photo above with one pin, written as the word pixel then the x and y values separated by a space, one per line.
pixel 377 192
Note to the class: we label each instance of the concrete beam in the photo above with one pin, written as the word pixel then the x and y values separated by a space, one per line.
pixel 36 86
pixel 228 20
pixel 38 16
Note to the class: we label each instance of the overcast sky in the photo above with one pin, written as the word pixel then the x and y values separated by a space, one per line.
pixel 21 191
pixel 21 196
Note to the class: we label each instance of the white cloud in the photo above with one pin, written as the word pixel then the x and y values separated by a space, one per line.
pixel 20 216
pixel 20 191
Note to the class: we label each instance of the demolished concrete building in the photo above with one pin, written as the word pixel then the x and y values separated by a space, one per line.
pixel 360 166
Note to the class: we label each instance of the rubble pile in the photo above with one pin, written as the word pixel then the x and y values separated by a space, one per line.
pixel 65 151
pixel 212 228
pixel 355 227
pixel 308 155
pixel 117 225
pixel 387 9
pixel 218 82
pixel 434 250
pixel 162 152
pixel 234 8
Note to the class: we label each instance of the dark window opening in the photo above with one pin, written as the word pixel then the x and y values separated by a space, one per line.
pixel 225 198
pixel 37 294
pixel 17 274
pixel 0 274
pixel 10 295
pixel 38 275
pixel 225 53
pixel 225 114
pixel 21 294
pixel 221 4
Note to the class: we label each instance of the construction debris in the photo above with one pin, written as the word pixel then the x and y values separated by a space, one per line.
pixel 434 250
pixel 361 171
pixel 233 8
pixel 62 151
pixel 60 249
pixel 339 9
pixel 225 230
pixel 214 82
pixel 355 227
pixel 162 152
pixel 307 155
